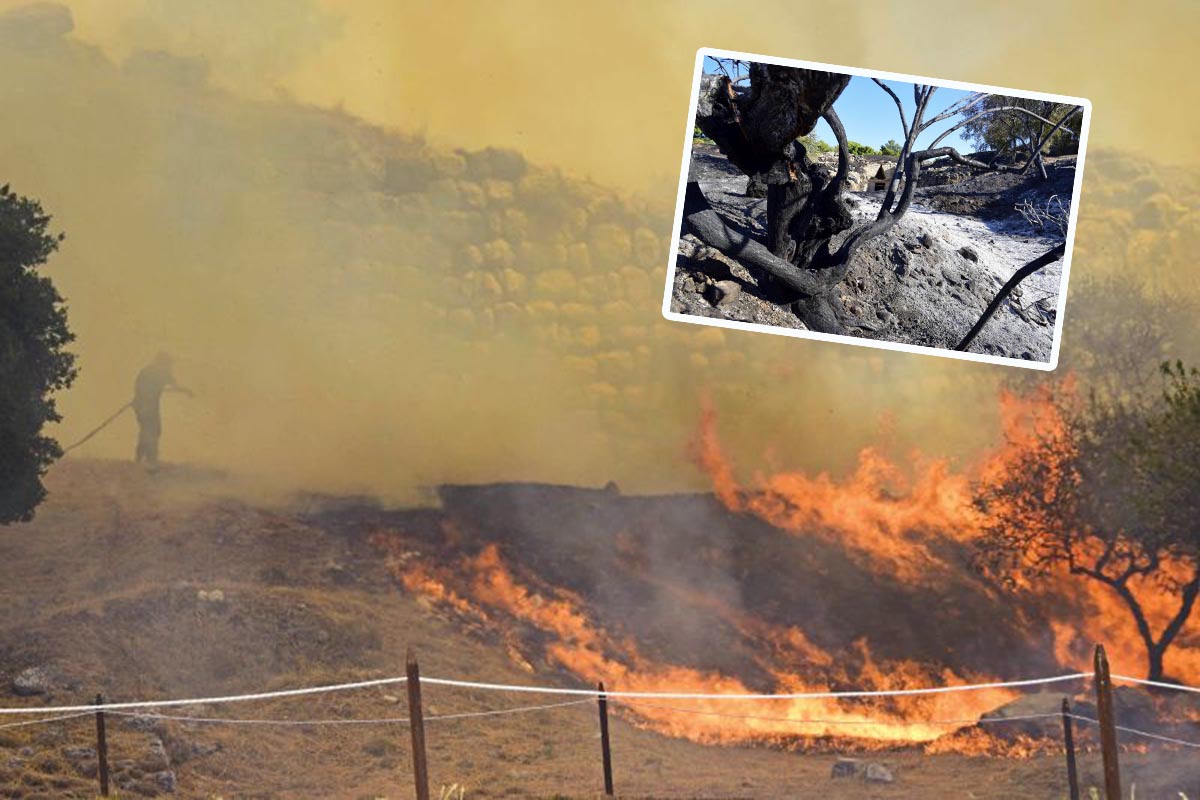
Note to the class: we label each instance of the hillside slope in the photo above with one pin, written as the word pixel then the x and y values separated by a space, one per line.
pixel 103 593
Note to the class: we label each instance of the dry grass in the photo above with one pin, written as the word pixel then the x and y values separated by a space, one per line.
pixel 104 586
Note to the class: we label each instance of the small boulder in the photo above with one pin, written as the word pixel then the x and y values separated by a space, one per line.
pixel 723 293
pixel 878 773
pixel 165 780
pixel 32 681
pixel 900 258
pixel 77 754
pixel 846 768
pixel 926 240
pixel 969 253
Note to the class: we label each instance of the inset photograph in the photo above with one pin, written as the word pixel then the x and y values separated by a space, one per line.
pixel 877 209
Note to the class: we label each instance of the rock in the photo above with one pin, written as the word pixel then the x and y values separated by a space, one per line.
pixel 32 681
pixel 155 758
pixel 164 780
pixel 969 253
pixel 878 773
pixel 950 274
pixel 913 246
pixel 693 248
pixel 75 754
pixel 926 240
pixel 846 768
pixel 901 259
pixel 723 293
pixel 143 723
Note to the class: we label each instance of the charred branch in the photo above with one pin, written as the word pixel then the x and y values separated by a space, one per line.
pixel 1049 257
pixel 755 127
pixel 709 227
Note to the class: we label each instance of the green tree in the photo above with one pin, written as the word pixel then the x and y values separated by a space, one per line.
pixel 861 149
pixel 1005 129
pixel 34 362
pixel 1112 495
pixel 814 144
pixel 890 148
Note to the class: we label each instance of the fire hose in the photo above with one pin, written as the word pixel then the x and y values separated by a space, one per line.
pixel 100 427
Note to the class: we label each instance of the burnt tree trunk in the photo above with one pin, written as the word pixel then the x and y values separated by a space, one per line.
pixel 757 127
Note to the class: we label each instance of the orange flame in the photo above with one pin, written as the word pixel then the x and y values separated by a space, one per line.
pixel 910 522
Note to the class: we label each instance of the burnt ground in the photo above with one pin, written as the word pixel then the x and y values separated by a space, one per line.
pixel 925 283
pixel 113 588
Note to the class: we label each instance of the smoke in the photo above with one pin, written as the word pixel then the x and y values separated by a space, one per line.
pixel 359 306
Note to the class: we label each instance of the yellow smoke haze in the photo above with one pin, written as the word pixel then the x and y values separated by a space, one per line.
pixel 226 174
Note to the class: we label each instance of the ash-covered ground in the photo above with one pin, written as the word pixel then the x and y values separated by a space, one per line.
pixel 925 283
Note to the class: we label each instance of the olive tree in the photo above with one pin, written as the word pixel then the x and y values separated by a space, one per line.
pixel 1112 496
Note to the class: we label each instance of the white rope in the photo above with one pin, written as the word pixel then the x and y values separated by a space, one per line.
pixel 377 721
pixel 840 721
pixel 237 698
pixel 1136 732
pixel 45 720
pixel 501 687
pixel 1181 687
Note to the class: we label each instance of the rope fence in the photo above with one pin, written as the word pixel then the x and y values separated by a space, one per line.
pixel 147 709
pixel 89 708
pixel 495 712
pixel 854 693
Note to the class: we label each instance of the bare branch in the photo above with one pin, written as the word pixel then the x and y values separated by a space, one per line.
pixel 1053 213
pixel 899 105
pixel 835 123
pixel 1049 257
pixel 708 226
pixel 955 108
pixel 1045 139
pixel 987 111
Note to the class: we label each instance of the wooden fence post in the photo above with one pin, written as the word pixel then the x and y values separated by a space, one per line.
pixel 416 723
pixel 101 748
pixel 1069 744
pixel 1108 726
pixel 605 749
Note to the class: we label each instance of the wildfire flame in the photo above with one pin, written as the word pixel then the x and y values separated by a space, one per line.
pixel 910 522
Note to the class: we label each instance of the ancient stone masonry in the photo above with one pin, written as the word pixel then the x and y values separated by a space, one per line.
pixel 526 251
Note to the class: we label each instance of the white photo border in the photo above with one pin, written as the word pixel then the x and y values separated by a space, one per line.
pixel 1044 366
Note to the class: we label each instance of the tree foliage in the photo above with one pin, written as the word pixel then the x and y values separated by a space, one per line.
pixel 857 149
pixel 34 362
pixel 814 144
pixel 1007 130
pixel 1112 494
pixel 890 148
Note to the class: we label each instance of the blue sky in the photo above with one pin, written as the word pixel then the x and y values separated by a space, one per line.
pixel 869 114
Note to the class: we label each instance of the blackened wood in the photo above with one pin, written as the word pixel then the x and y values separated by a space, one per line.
pixel 1069 746
pixel 1108 726
pixel 101 749
pixel 416 724
pixel 605 749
